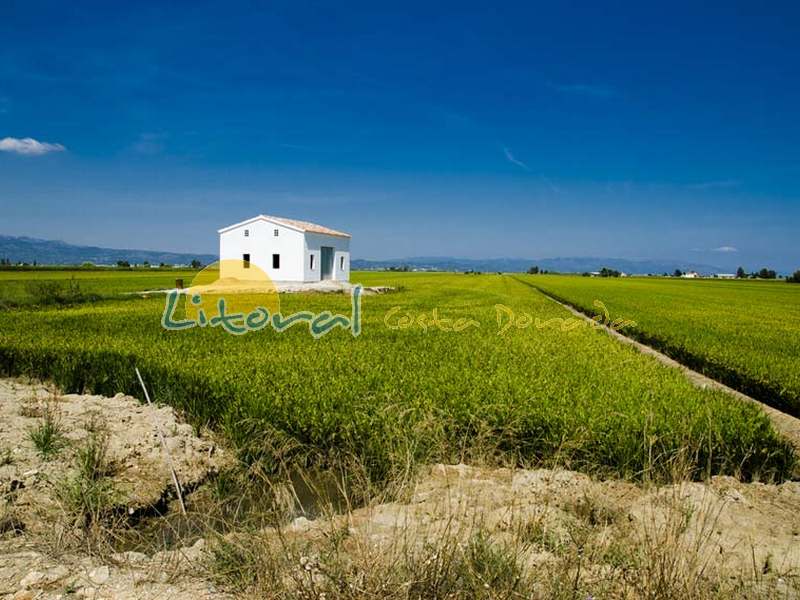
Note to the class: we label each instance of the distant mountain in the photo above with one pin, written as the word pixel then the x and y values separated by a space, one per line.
pixel 50 252
pixel 579 264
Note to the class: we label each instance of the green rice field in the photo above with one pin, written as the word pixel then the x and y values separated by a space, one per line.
pixel 744 333
pixel 450 367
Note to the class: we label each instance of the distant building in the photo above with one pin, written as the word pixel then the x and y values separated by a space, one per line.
pixel 691 275
pixel 287 249
pixel 725 275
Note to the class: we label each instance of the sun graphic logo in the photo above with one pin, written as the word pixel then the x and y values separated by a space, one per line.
pixel 232 287
pixel 240 298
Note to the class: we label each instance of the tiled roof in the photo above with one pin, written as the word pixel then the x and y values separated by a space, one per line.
pixel 306 226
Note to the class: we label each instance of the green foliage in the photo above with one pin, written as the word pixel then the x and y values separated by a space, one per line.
pixel 794 278
pixel 396 397
pixel 766 274
pixel 606 272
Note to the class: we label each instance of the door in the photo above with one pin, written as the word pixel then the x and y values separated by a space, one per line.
pixel 326 262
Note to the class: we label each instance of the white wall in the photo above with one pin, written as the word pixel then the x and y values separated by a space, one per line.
pixel 261 244
pixel 341 250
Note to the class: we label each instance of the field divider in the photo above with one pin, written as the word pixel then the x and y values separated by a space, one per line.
pixel 786 424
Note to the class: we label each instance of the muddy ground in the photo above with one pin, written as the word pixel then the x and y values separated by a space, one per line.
pixel 721 528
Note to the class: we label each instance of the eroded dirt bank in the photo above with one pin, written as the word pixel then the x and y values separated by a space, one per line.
pixel 604 538
pixel 102 456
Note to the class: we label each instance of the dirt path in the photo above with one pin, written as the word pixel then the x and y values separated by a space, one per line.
pixel 786 425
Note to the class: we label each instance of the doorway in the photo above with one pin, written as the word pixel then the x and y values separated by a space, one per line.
pixel 326 262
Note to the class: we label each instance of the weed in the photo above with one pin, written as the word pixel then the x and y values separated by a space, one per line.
pixel 48 437
pixel 6 457
pixel 88 494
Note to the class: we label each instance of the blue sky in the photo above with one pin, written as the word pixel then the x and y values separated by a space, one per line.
pixel 558 129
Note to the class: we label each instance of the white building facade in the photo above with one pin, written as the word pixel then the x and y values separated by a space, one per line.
pixel 287 249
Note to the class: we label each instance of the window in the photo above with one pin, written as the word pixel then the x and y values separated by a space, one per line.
pixel 246 233
pixel 276 261
pixel 311 262
pixel 341 263
pixel 246 261
pixel 275 232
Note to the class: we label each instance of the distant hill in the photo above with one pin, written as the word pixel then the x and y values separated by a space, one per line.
pixel 50 252
pixel 561 264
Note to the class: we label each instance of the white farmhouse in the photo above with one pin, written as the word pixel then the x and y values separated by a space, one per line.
pixel 288 250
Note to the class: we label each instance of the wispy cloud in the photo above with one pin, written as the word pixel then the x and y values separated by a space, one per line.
pixel 513 160
pixel 552 186
pixel 719 184
pixel 28 146
pixel 586 89
pixel 720 249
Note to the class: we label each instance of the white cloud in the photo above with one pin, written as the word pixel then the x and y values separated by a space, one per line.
pixel 725 249
pixel 28 146
pixel 513 160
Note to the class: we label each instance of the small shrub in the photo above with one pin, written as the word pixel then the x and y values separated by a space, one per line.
pixel 45 293
pixel 50 292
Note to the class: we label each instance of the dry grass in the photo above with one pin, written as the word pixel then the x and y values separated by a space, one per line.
pixel 596 552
